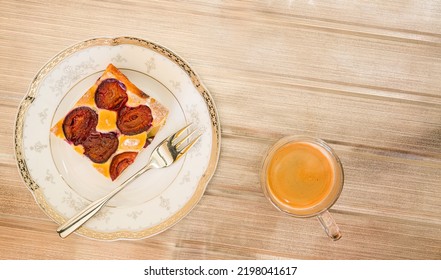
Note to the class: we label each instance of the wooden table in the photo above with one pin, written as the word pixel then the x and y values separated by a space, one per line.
pixel 365 76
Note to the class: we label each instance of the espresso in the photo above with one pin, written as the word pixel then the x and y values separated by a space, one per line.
pixel 300 175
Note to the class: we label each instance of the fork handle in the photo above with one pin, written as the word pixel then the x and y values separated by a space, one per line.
pixel 83 216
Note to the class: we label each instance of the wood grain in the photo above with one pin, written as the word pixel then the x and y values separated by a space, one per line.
pixel 362 75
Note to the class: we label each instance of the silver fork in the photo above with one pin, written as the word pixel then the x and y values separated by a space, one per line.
pixel 167 152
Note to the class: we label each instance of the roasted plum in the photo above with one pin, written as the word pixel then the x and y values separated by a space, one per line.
pixel 79 124
pixel 111 95
pixel 120 162
pixel 134 120
pixel 99 147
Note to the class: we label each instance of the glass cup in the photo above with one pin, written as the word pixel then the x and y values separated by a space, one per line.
pixel 303 177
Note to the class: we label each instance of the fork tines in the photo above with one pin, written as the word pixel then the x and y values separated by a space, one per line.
pixel 180 147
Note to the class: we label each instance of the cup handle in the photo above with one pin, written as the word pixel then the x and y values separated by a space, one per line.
pixel 329 225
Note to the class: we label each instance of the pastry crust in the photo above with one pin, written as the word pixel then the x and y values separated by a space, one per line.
pixel 107 120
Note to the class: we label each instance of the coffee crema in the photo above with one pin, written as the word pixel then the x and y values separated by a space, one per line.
pixel 300 175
